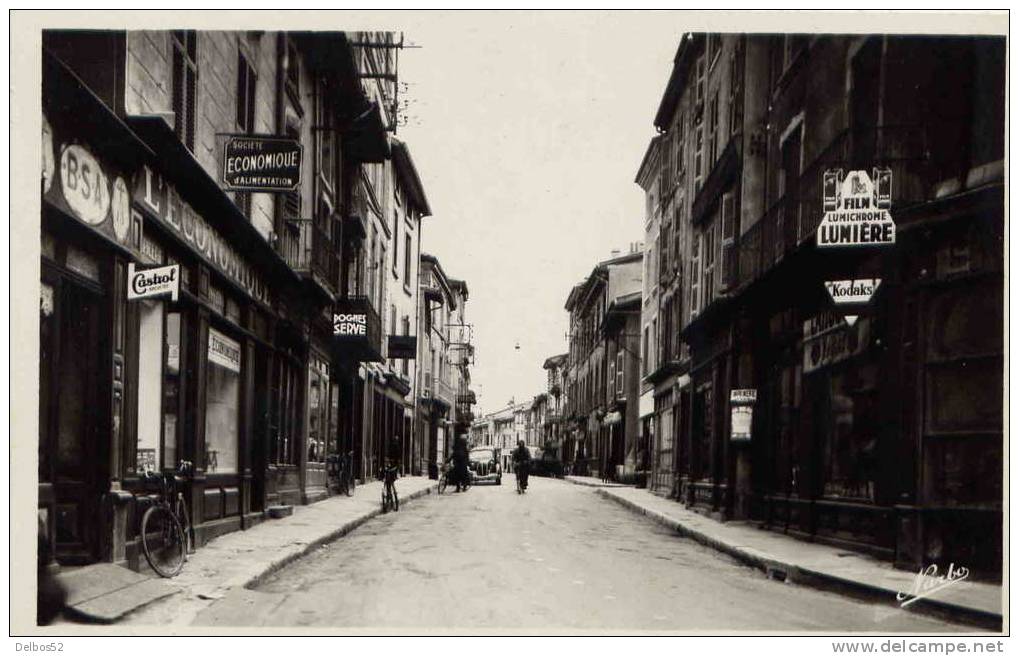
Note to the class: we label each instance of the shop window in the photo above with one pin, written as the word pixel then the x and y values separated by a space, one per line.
pixel 852 433
pixel 185 78
pixel 286 411
pixel 319 405
pixel 150 378
pixel 222 404
pixel 171 387
pixel 703 431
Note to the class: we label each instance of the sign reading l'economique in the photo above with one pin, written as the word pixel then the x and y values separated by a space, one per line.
pixel 258 162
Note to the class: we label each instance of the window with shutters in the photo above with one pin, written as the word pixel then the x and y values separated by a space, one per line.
pixel 292 199
pixel 699 83
pixel 325 137
pixel 407 248
pixel 695 275
pixel 292 77
pixel 677 247
pixel 680 147
pixel 735 93
pixel 708 264
pixel 665 243
pixel 665 168
pixel 698 156
pixel 714 48
pixel 246 79
pixel 713 134
pixel 185 84
pixel 620 370
pixel 729 230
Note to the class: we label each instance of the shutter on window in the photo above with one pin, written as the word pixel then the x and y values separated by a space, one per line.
pixel 728 240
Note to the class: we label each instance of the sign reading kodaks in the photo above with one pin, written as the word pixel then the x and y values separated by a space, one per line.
pixel 856 210
pixel 256 162
pixel 852 292
pixel 149 283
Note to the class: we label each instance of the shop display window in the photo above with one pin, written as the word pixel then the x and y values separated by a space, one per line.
pixel 222 404
pixel 150 374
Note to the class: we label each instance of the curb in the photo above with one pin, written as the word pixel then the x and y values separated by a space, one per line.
pixel 593 484
pixel 254 580
pixel 784 571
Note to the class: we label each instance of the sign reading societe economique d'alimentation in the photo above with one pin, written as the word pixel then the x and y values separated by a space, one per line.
pixel 261 163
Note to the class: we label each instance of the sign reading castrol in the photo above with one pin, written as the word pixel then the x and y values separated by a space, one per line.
pixel 148 283
pixel 353 324
pixel 856 210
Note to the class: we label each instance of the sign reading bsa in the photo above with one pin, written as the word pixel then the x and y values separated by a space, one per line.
pixel 856 210
pixel 852 292
pixel 149 283
pixel 261 163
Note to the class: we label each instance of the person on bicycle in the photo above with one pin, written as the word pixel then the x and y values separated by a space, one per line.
pixel 521 463
pixel 461 459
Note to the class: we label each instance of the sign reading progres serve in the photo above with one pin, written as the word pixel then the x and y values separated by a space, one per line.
pixel 350 324
pixel 856 210
pixel 265 163
pixel 851 292
pixel 148 283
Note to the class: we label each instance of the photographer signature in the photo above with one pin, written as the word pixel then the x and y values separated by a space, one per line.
pixel 928 581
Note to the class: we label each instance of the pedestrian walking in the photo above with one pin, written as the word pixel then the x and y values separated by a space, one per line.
pixel 461 458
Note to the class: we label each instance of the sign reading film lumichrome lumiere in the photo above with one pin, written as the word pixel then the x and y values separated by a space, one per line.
pixel 258 162
pixel 856 210
pixel 149 283
pixel 742 414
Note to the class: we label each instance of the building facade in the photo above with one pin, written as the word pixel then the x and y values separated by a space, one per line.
pixel 858 428
pixel 603 367
pixel 243 371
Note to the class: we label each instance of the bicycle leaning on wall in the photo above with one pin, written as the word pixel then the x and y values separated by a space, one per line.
pixel 166 531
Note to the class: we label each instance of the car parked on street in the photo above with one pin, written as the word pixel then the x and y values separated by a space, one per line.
pixel 485 466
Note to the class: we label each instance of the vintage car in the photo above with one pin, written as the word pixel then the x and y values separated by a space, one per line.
pixel 484 466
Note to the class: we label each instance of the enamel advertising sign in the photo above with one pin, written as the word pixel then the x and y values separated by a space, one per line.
pixel 852 292
pixel 265 163
pixel 149 283
pixel 856 210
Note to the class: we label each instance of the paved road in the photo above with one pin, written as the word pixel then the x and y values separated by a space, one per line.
pixel 556 557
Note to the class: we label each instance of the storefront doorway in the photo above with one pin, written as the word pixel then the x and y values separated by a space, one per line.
pixel 71 413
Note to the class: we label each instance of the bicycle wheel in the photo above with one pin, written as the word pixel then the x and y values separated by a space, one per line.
pixel 181 511
pixel 443 482
pixel 163 541
pixel 396 500
pixel 385 500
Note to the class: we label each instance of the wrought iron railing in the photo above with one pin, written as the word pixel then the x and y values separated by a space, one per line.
pixel 906 150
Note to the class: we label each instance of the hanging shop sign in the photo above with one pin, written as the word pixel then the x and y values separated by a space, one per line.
pixel 741 402
pixel 265 163
pixel 828 339
pixel 351 324
pixel 402 347
pixel 150 283
pixel 224 351
pixel 856 210
pixel 82 183
pixel 161 201
pixel 852 292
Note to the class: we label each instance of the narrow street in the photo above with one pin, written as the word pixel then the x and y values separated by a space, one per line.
pixel 558 557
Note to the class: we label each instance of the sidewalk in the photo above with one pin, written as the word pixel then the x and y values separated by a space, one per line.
pixel 591 481
pixel 807 563
pixel 240 559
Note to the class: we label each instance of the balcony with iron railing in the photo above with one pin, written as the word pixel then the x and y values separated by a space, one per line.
pixel 919 166
pixel 307 247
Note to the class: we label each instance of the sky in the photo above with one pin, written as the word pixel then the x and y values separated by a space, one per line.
pixel 527 130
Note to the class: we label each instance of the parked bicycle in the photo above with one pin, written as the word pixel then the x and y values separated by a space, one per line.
pixel 341 470
pixel 166 531
pixel 390 500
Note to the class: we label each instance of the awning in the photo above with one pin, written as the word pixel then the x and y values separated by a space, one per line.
pixel 366 140
pixel 647 404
